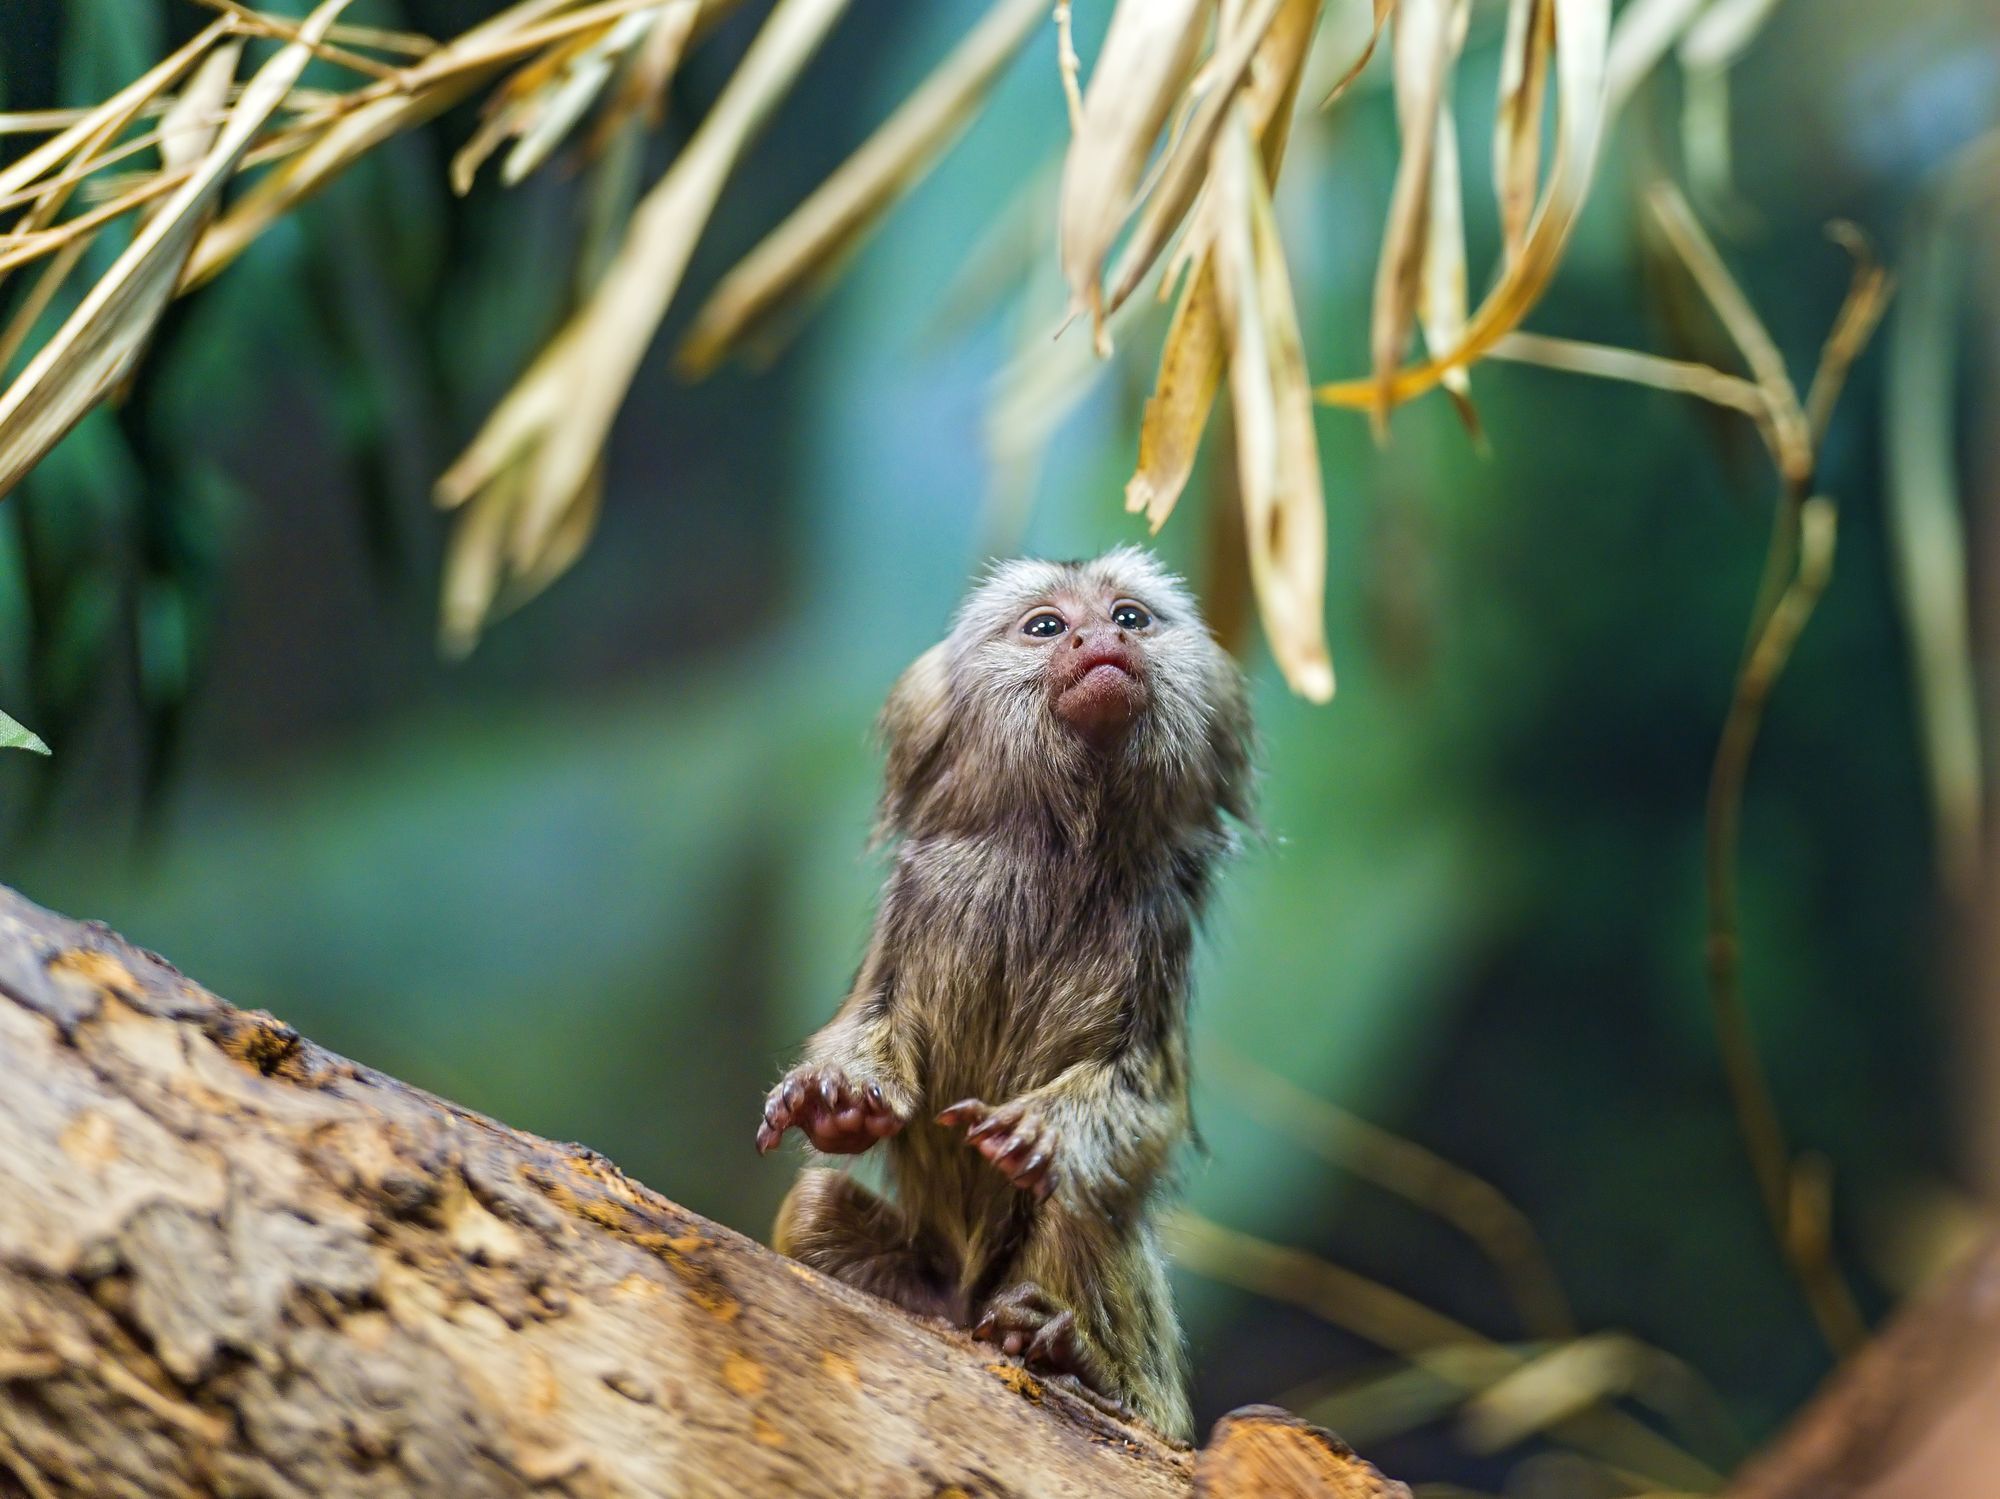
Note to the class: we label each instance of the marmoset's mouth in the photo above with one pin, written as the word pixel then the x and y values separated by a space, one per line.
pixel 1103 693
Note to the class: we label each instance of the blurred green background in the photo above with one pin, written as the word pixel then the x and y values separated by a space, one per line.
pixel 600 879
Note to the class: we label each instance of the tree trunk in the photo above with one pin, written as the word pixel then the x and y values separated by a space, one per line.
pixel 233 1263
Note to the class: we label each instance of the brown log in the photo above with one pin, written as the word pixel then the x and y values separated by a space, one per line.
pixel 234 1263
pixel 1914 1415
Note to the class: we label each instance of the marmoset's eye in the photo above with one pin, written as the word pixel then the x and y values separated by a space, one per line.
pixel 1045 625
pixel 1130 616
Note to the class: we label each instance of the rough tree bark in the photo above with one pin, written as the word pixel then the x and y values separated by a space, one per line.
pixel 233 1263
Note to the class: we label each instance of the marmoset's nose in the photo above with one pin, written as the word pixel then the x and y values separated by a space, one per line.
pixel 1099 635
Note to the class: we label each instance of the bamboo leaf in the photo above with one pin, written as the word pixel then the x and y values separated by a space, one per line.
pixel 1186 164
pixel 1563 1382
pixel 552 425
pixel 1383 9
pixel 1441 293
pixel 1191 361
pixel 1284 508
pixel 110 117
pixel 1148 51
pixel 1422 52
pixel 97 344
pixel 14 736
pixel 564 103
pixel 1177 411
pixel 1517 127
pixel 807 249
pixel 1582 28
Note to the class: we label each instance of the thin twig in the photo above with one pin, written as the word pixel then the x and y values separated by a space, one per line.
pixel 1798 562
pixel 1794 450
pixel 1681 376
pixel 1468 1202
pixel 1392 1320
pixel 1867 299
pixel 1807 1252
pixel 288 31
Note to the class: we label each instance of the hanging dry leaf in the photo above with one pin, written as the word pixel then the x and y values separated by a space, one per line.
pixel 1422 53
pixel 1441 294
pixel 1284 508
pixel 1177 411
pixel 1191 361
pixel 544 440
pixel 360 121
pixel 1582 31
pixel 807 249
pixel 191 123
pixel 1382 11
pixel 97 343
pixel 1186 164
pixel 1517 125
pixel 1148 52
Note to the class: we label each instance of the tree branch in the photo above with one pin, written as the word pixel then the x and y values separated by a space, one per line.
pixel 232 1262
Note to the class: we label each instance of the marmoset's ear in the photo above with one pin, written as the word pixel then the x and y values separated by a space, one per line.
pixel 914 725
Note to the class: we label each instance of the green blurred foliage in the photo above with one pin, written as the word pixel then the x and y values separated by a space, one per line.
pixel 600 879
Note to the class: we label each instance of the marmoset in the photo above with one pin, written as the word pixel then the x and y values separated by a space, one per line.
pixel 1065 770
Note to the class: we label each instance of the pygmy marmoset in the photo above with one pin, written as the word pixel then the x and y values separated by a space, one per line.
pixel 1064 771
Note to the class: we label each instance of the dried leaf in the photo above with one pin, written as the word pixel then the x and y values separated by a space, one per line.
pixel 473 563
pixel 544 440
pixel 1284 508
pixel 1645 30
pixel 1441 294
pixel 282 189
pixel 1789 432
pixel 1422 53
pixel 1192 359
pixel 1383 9
pixel 644 91
pixel 1148 51
pixel 565 102
pixel 1608 363
pixel 1581 46
pixel 190 126
pixel 1517 127
pixel 420 93
pixel 1177 411
pixel 1186 164
pixel 99 340
pixel 804 251
pixel 15 736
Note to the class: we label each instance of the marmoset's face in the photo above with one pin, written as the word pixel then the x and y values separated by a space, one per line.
pixel 1057 676
pixel 1108 652
pixel 1092 650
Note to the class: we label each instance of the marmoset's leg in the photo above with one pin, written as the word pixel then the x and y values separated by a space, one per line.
pixel 1080 1301
pixel 833 1223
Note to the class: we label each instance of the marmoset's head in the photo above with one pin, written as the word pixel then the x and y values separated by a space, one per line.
pixel 1059 682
